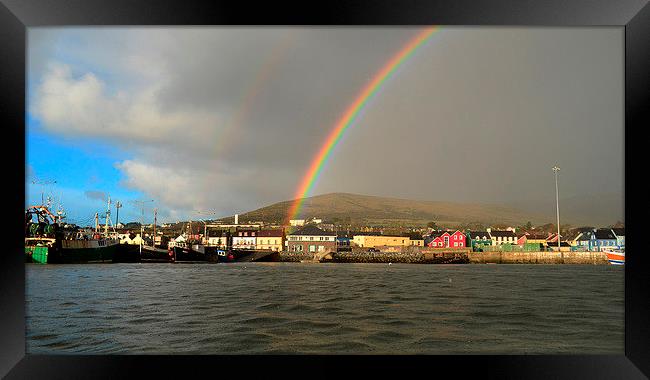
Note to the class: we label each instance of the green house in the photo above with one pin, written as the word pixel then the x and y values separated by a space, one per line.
pixel 478 239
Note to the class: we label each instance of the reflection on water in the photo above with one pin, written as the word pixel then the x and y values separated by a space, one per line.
pixel 251 308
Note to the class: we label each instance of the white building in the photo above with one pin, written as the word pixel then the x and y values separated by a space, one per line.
pixel 297 222
pixel 126 239
pixel 173 242
pixel 503 237
pixel 244 239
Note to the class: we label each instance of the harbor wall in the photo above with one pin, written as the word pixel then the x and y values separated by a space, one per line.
pixel 294 257
pixel 407 255
pixel 538 258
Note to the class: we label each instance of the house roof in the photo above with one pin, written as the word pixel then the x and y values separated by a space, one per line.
pixel 435 234
pixel 553 237
pixel 270 233
pixel 506 233
pixel 476 235
pixel 572 235
pixel 536 236
pixel 619 231
pixel 605 233
pixel 311 230
pixel 586 235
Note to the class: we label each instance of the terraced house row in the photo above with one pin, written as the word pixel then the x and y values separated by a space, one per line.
pixel 311 238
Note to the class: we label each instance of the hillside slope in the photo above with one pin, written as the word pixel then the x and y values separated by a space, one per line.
pixel 372 210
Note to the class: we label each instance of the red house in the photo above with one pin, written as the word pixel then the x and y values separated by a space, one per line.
pixel 448 240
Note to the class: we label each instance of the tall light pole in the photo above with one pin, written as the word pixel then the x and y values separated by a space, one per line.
pixel 118 204
pixel 557 205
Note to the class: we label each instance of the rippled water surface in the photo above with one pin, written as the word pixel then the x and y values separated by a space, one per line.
pixel 251 308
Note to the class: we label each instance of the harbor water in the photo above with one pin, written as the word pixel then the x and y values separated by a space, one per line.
pixel 287 308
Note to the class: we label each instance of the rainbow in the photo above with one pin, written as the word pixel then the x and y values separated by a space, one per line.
pixel 350 116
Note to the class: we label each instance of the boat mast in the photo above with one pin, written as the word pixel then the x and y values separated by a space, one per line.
pixel 96 222
pixel 108 215
pixel 42 183
pixel 155 214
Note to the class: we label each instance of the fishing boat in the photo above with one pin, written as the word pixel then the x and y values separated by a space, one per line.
pixel 220 255
pixel 47 241
pixel 615 256
pixel 189 253
pixel 189 248
pixel 151 254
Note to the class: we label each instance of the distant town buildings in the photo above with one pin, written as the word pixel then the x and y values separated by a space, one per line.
pixel 244 239
pixel 597 239
pixel 447 239
pixel 270 240
pixel 502 237
pixel 620 236
pixel 372 241
pixel 311 239
pixel 129 238
pixel 312 235
pixel 478 239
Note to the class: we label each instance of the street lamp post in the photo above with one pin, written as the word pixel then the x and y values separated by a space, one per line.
pixel 557 205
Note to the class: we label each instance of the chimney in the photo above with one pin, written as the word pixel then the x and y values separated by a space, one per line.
pixel 236 218
pixel 489 230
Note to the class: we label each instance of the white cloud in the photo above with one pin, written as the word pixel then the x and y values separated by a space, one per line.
pixel 82 106
pixel 190 187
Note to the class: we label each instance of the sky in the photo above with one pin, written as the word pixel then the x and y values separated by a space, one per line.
pixel 206 122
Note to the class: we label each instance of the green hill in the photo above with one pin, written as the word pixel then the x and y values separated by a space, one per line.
pixel 357 209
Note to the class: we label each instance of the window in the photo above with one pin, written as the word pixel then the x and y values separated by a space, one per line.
pixel 455 244
pixel 312 248
pixel 321 248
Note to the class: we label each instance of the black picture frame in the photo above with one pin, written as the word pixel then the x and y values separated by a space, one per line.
pixel 18 15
